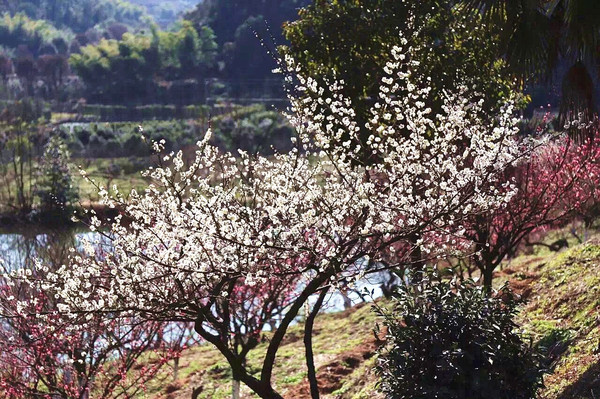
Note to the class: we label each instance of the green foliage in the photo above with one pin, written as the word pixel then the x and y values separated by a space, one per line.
pixel 116 68
pixel 351 41
pixel 163 12
pixel 253 129
pixel 25 111
pixel 110 140
pixel 234 23
pixel 77 15
pixel 185 52
pixel 147 112
pixel 554 344
pixel 225 16
pixel 37 36
pixel 54 182
pixel 544 40
pixel 130 68
pixel 19 145
pixel 454 340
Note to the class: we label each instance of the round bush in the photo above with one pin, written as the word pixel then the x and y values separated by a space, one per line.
pixel 455 340
pixel 83 135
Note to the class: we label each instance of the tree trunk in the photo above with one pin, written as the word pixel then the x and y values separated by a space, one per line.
pixel 308 330
pixel 346 298
pixel 416 260
pixel 262 389
pixel 235 389
pixel 273 324
pixel 196 392
pixel 488 275
pixel 175 368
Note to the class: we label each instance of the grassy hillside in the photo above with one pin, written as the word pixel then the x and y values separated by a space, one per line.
pixel 561 313
pixel 344 347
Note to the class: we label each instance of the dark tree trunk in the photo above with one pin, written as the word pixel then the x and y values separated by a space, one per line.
pixel 488 275
pixel 308 330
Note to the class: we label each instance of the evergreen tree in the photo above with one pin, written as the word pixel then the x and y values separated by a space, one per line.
pixel 55 190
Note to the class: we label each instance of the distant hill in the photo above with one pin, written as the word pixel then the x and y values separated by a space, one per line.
pixel 77 15
pixel 164 12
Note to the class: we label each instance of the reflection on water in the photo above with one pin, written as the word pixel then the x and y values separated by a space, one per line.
pixel 19 249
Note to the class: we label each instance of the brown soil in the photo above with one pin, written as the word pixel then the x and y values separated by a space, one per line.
pixel 331 374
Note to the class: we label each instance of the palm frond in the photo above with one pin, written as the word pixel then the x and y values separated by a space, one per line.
pixel 577 103
pixel 530 48
pixel 582 21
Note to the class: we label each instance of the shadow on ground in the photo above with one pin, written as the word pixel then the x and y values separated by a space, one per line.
pixel 587 386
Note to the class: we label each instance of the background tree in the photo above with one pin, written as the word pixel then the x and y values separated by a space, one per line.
pixel 54 187
pixel 538 39
pixel 552 186
pixel 130 69
pixel 53 69
pixel 21 143
pixel 26 69
pixel 76 15
pixel 348 41
pixel 234 23
pixel 73 358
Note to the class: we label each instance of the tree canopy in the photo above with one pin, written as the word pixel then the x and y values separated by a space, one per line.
pixel 348 41
pixel 131 68
pixel 235 23
pixel 77 15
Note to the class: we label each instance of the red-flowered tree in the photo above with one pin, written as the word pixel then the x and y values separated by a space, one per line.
pixel 555 185
pixel 47 355
pixel 584 197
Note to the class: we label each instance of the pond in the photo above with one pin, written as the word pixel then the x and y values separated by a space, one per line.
pixel 19 247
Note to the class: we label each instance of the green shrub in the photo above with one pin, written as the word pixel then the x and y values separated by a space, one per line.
pixel 554 344
pixel 454 340
pixel 54 186
pixel 112 149
pixel 134 165
pixel 253 129
pixel 135 146
pixel 83 135
pixel 95 148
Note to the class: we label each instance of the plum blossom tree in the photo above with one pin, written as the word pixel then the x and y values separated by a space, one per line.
pixel 295 224
pixel 48 355
pixel 583 196
pixel 555 185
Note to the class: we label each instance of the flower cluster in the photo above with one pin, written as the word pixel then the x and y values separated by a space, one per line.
pixel 556 185
pixel 48 355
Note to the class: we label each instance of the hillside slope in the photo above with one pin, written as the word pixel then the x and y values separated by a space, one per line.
pixel 561 313
pixel 344 347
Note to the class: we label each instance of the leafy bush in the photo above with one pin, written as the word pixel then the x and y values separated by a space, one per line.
pixel 454 340
pixel 554 344
pixel 83 135
pixel 253 129
pixel 134 146
pixel 95 148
